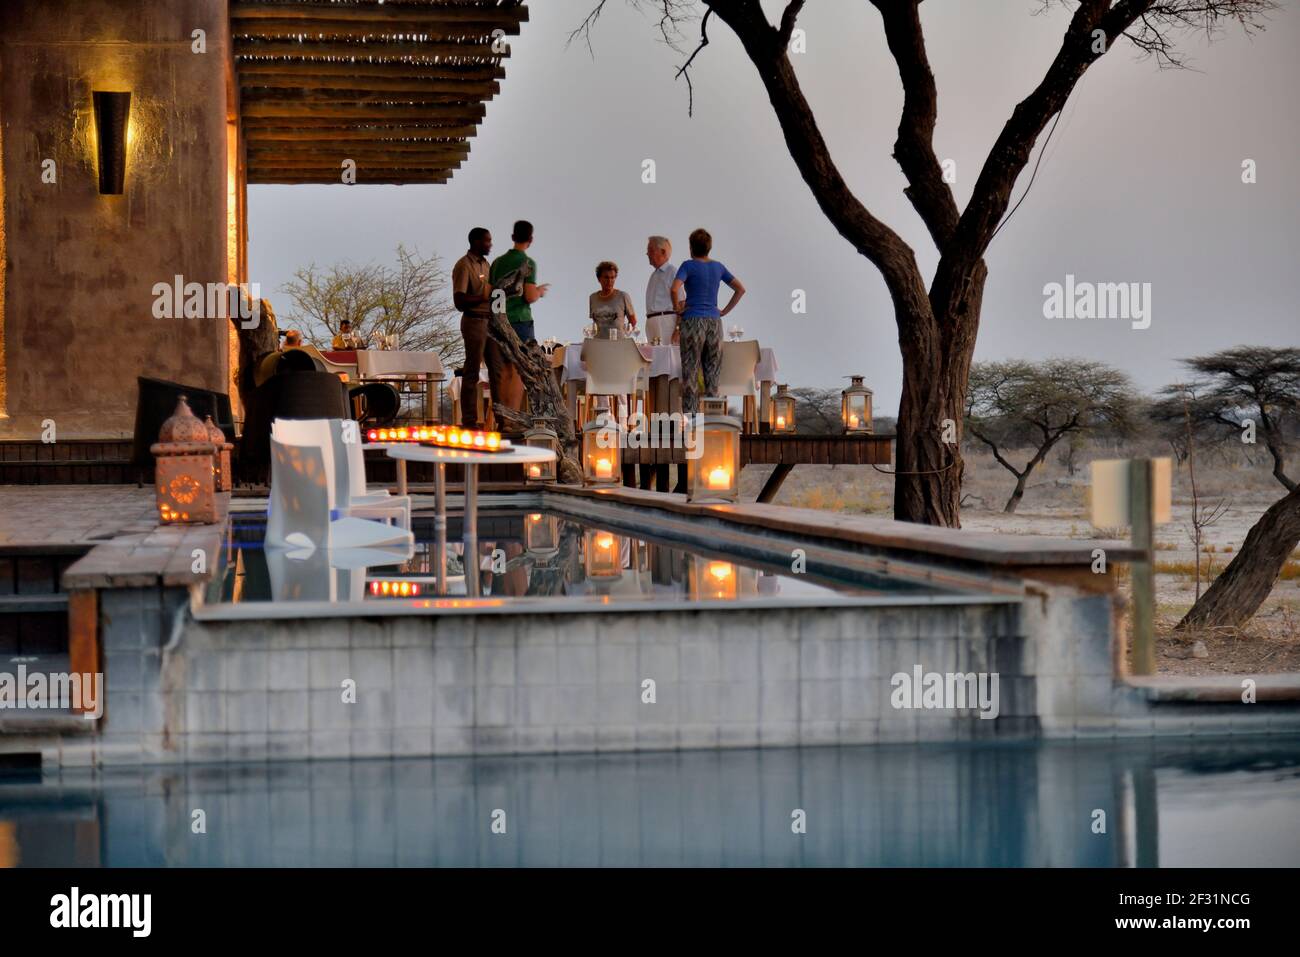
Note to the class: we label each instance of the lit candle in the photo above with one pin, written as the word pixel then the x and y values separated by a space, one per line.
pixel 780 422
pixel 720 477
pixel 853 421
pixel 604 468
pixel 534 471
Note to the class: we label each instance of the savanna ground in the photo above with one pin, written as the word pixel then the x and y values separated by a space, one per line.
pixel 1056 504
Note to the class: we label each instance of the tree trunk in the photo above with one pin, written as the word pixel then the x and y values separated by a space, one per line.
pixel 1237 594
pixel 544 396
pixel 1017 494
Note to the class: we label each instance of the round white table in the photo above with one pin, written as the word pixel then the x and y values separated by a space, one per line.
pixel 411 452
pixel 515 455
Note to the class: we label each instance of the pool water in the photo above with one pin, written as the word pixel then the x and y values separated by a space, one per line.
pixel 1166 802
pixel 523 554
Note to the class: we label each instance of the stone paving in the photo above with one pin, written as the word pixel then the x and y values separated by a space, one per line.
pixel 72 514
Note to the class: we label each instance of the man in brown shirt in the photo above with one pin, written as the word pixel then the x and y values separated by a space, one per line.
pixel 472 293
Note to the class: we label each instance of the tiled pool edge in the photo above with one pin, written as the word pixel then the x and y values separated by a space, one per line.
pixel 187 690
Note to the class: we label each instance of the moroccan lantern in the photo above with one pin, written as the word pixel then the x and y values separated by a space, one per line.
pixel 542 436
pixel 855 406
pixel 220 457
pixel 714 474
pixel 783 410
pixel 184 478
pixel 602 558
pixel 542 536
pixel 602 449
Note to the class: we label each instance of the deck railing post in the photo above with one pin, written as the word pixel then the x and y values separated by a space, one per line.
pixel 1143 578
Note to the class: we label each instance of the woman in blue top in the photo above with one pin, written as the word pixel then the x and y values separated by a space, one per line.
pixel 699 328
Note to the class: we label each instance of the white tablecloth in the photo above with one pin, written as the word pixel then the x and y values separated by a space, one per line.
pixel 376 362
pixel 453 387
pixel 664 360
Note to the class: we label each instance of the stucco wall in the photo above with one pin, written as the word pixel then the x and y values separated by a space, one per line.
pixel 80 266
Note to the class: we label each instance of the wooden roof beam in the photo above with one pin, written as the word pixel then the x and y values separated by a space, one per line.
pixel 503 17
pixel 379 134
pixel 365 112
pixel 397 26
pixel 269 81
pixel 394 68
pixel 476 53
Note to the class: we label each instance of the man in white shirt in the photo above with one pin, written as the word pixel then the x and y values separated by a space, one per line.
pixel 661 319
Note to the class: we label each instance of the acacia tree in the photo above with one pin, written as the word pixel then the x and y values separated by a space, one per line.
pixel 1035 405
pixel 410 301
pixel 937 321
pixel 1260 385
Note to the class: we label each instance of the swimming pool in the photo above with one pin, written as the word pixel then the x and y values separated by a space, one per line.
pixel 1167 802
pixel 535 554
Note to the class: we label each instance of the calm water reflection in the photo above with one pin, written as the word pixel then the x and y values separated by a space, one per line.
pixel 519 554
pixel 1191 802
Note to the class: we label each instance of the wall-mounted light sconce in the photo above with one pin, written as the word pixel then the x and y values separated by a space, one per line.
pixel 112 110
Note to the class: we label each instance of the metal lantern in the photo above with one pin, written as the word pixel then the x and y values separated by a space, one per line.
pixel 184 478
pixel 542 436
pixel 855 406
pixel 220 455
pixel 542 536
pixel 714 474
pixel 782 410
pixel 602 557
pixel 602 450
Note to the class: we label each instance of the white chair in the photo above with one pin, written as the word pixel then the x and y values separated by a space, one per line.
pixel 302 511
pixel 348 467
pixel 614 368
pixel 351 493
pixel 736 377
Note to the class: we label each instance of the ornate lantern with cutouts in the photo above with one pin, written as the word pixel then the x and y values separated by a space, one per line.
pixel 184 476
pixel 713 475
pixel 783 410
pixel 221 455
pixel 602 557
pixel 542 436
pixel 855 406
pixel 542 536
pixel 602 448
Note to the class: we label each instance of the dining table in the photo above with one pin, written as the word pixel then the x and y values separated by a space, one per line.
pixel 665 369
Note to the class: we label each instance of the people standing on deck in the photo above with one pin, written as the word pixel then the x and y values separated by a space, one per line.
pixel 695 297
pixel 610 309
pixel 660 316
pixel 515 273
pixel 471 293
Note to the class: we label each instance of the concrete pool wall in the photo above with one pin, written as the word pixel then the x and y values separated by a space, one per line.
pixel 189 684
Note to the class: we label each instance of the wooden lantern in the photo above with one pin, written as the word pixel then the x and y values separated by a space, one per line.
pixel 221 455
pixel 602 557
pixel 184 476
pixel 602 449
pixel 783 410
pixel 714 474
pixel 542 536
pixel 855 406
pixel 542 436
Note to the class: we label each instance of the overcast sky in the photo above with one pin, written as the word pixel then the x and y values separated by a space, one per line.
pixel 1140 183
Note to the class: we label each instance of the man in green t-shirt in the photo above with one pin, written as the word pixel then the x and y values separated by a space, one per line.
pixel 515 273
